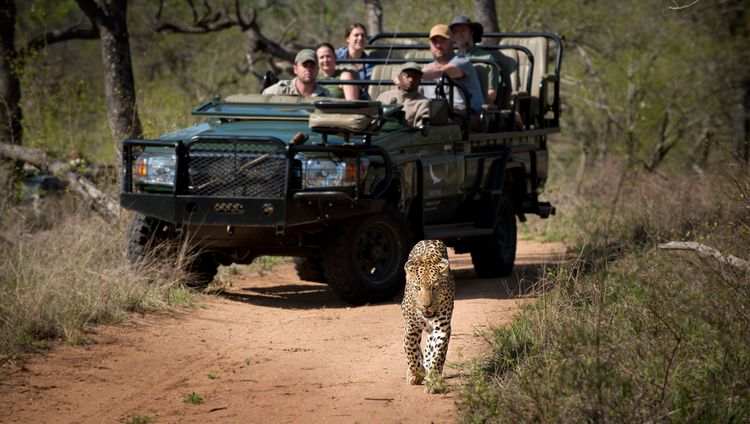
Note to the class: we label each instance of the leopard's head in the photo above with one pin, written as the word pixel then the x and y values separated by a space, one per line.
pixel 430 278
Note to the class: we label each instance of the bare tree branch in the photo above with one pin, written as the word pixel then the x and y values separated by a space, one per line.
pixel 679 7
pixel 707 251
pixel 77 32
pixel 591 70
pixel 221 20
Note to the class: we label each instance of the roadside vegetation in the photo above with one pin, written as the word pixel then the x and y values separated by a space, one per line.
pixel 62 269
pixel 625 331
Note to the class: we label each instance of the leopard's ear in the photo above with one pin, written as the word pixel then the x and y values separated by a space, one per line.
pixel 444 266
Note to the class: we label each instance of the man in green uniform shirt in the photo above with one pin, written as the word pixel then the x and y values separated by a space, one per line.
pixel 304 84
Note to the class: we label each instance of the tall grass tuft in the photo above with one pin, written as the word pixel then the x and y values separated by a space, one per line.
pixel 58 278
pixel 628 332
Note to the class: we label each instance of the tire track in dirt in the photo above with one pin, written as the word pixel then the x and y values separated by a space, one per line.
pixel 272 349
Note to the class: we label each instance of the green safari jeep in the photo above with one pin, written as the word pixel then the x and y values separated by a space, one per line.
pixel 345 187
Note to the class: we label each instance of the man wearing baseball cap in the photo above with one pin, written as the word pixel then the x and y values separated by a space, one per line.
pixel 416 106
pixel 304 84
pixel 465 34
pixel 458 68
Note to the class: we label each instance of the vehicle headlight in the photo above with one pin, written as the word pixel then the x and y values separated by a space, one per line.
pixel 155 169
pixel 320 173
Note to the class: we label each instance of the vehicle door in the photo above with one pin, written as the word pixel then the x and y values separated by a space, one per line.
pixel 442 171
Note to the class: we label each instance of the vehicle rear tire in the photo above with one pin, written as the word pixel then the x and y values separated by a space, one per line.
pixel 310 269
pixel 494 256
pixel 363 259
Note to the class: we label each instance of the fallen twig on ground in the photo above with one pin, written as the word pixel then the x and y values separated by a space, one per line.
pixel 706 251
pixel 103 202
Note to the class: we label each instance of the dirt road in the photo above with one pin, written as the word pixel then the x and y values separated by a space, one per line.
pixel 273 349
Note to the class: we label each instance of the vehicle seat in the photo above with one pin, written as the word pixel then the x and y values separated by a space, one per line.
pixel 538 48
pixel 483 73
pixel 418 54
pixel 389 53
pixel 508 62
pixel 519 81
pixel 382 72
pixel 439 112
pixel 385 54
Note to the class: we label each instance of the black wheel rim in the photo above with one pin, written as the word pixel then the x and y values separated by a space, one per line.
pixel 377 253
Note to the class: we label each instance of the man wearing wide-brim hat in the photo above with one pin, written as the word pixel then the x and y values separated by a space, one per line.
pixel 305 82
pixel 465 34
pixel 416 106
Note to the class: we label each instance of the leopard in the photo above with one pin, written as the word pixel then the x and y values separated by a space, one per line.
pixel 427 307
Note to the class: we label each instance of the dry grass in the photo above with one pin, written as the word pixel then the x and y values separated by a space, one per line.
pixel 628 332
pixel 64 270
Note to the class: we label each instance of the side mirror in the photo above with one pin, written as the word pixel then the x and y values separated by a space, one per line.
pixel 269 79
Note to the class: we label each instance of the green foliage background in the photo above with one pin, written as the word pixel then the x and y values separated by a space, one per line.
pixel 636 75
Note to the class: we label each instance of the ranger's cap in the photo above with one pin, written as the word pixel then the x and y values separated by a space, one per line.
pixel 476 28
pixel 410 66
pixel 441 30
pixel 306 55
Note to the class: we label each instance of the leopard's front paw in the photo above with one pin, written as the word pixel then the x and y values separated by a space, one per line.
pixel 414 377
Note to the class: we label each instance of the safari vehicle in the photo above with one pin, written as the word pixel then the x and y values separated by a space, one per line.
pixel 347 187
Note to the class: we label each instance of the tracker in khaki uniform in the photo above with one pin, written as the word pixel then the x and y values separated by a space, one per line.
pixel 304 84
pixel 416 106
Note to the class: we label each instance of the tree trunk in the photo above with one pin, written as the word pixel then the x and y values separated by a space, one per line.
pixel 485 13
pixel 734 13
pixel 110 18
pixel 741 138
pixel 10 86
pixel 374 17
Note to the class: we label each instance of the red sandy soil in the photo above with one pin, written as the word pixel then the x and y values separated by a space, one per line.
pixel 271 349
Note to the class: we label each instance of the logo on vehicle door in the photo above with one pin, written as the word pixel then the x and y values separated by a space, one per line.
pixel 435 178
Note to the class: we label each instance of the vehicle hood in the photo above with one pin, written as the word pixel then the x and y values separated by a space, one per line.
pixel 283 130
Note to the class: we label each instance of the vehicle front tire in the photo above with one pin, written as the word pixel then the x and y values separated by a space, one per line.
pixel 146 237
pixel 150 239
pixel 363 259
pixel 494 256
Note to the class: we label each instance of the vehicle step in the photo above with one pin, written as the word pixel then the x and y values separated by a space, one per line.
pixel 453 231
pixel 543 209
